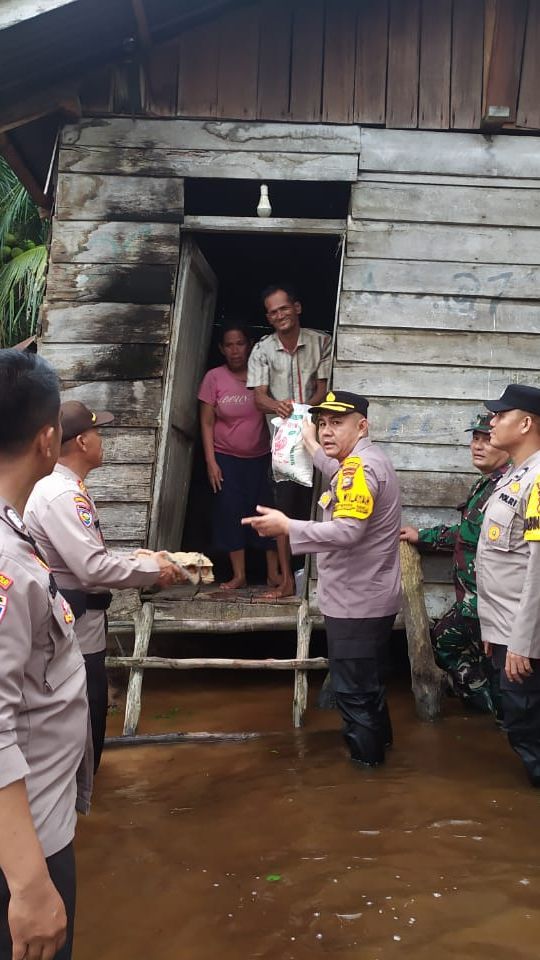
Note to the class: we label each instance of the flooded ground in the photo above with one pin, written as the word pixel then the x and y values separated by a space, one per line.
pixel 279 848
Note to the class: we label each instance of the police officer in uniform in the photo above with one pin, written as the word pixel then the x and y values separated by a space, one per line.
pixel 43 705
pixel 357 544
pixel 508 571
pixel 62 517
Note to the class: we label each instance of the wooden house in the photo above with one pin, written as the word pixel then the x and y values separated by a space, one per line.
pixel 400 142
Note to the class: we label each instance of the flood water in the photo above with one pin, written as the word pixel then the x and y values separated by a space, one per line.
pixel 279 848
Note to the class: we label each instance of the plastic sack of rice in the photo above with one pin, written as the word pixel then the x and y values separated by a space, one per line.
pixel 290 459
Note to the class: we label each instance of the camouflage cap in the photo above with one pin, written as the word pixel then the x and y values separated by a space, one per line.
pixel 481 424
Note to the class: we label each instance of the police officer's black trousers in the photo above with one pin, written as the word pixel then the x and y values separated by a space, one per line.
pixel 357 653
pixel 61 868
pixel 521 713
pixel 98 697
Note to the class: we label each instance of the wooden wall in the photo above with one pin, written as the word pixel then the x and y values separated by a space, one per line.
pixel 428 64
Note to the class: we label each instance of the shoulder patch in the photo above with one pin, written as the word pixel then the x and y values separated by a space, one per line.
pixel 83 500
pixel 532 513
pixel 5 581
pixel 3 605
pixel 84 514
pixel 353 495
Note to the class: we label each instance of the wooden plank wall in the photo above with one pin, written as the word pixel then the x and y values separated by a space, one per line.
pixel 428 64
pixel 441 297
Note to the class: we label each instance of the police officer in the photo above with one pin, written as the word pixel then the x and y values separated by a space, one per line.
pixel 508 571
pixel 43 705
pixel 358 563
pixel 62 516
pixel 456 637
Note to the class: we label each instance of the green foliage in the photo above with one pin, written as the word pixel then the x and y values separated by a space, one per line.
pixel 23 259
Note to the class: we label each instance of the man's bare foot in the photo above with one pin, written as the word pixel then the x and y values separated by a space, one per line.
pixel 237 583
pixel 285 589
pixel 273 582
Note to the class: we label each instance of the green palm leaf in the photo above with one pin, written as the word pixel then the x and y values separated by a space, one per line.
pixel 22 282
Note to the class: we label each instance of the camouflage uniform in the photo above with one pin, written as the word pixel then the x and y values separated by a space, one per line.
pixel 456 637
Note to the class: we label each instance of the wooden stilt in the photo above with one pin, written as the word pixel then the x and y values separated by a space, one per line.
pixel 304 626
pixel 425 675
pixel 143 621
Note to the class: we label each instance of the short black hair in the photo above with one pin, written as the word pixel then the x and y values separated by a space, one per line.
pixel 29 398
pixel 287 288
pixel 230 325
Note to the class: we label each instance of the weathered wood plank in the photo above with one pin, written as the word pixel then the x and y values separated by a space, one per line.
pixel 363 309
pixel 133 403
pixel 440 203
pixel 264 225
pixel 90 242
pixel 435 59
pixel 307 60
pixel 428 516
pixel 528 112
pixel 436 457
pixel 505 56
pixel 448 180
pixel 106 361
pixel 438 347
pixel 463 154
pixel 371 62
pixel 97 197
pixel 198 70
pixel 104 323
pixel 114 283
pixel 123 521
pixel 420 421
pixel 467 64
pixel 437 567
pixel 441 241
pixel 425 276
pixel 401 380
pixel 160 71
pixel 403 64
pixel 232 165
pixel 122 482
pixel 339 61
pixel 128 445
pixel 238 63
pixel 214 135
pixel 430 489
pixel 273 85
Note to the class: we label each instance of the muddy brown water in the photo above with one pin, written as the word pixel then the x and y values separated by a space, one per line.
pixel 279 848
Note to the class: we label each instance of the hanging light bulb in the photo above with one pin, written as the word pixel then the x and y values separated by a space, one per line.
pixel 264 208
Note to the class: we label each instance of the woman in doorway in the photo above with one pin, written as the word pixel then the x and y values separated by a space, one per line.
pixel 237 452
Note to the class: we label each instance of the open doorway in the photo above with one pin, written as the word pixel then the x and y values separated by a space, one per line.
pixel 243 265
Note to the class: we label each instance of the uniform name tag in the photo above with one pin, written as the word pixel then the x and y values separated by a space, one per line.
pixel 353 495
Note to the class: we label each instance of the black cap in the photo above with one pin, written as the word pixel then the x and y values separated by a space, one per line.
pixel 481 424
pixel 517 396
pixel 341 401
pixel 76 418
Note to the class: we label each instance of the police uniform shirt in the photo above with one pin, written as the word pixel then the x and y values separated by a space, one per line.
pixel 62 517
pixel 508 561
pixel 43 705
pixel 357 541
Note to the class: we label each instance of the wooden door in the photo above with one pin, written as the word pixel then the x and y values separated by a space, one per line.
pixel 193 317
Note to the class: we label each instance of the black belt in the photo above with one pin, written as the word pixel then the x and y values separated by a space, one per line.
pixel 80 601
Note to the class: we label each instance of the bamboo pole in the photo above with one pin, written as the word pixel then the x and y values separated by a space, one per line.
pixel 425 675
pixel 139 663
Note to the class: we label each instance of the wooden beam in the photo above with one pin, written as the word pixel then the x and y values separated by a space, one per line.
pixel 17 164
pixel 504 41
pixel 143 29
pixel 62 98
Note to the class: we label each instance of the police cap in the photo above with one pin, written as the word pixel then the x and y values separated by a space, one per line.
pixel 76 418
pixel 517 396
pixel 481 424
pixel 341 401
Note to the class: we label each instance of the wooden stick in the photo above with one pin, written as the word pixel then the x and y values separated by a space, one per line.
pixel 143 620
pixel 425 675
pixel 302 655
pixel 149 739
pixel 138 662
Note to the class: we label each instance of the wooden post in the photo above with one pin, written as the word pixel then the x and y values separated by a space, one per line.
pixel 425 675
pixel 304 625
pixel 143 621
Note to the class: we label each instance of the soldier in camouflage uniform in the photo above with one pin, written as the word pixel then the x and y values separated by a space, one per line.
pixel 456 637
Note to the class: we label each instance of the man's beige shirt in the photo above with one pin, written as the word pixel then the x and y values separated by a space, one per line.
pixel 290 376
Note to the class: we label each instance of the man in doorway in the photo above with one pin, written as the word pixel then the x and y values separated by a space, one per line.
pixel 62 517
pixel 508 571
pixel 290 365
pixel 456 640
pixel 357 544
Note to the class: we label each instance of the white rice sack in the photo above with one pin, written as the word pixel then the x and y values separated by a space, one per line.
pixel 290 459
